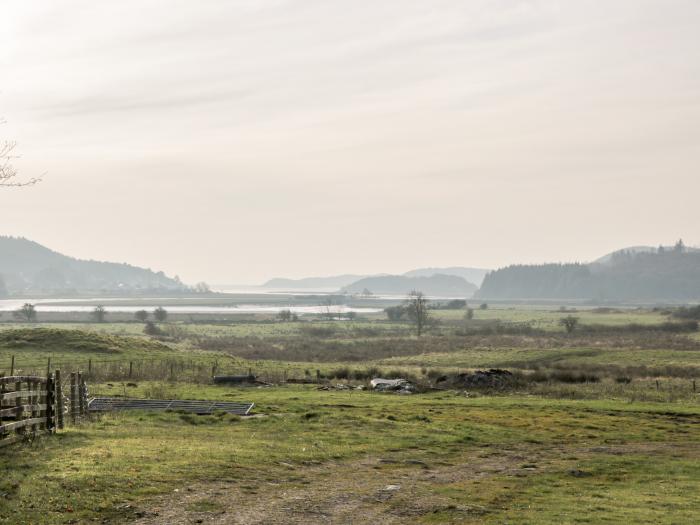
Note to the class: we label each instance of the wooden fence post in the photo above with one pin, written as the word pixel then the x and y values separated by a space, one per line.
pixel 50 405
pixel 18 401
pixel 59 400
pixel 12 367
pixel 2 391
pixel 84 398
pixel 33 400
pixel 73 398
pixel 81 396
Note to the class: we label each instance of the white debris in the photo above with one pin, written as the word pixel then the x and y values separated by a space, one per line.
pixel 392 385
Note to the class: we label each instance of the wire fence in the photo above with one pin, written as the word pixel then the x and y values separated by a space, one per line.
pixel 191 370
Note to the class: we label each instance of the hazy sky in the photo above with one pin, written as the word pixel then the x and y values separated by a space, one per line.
pixel 232 141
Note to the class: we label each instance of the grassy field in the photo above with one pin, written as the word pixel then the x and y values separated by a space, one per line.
pixel 596 426
pixel 310 345
pixel 431 458
pixel 547 318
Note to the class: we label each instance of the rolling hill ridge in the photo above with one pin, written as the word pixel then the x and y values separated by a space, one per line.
pixel 27 267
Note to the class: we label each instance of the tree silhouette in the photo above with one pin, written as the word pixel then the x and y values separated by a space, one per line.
pixel 26 313
pixel 8 173
pixel 569 323
pixel 417 310
pixel 161 314
pixel 99 314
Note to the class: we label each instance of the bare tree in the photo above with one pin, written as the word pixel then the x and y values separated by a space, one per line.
pixel 26 313
pixel 417 310
pixel 161 314
pixel 327 305
pixel 99 314
pixel 202 288
pixel 8 173
pixel 285 315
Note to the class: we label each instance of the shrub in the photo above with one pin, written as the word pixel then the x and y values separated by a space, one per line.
pixel 687 312
pixel 340 373
pixel 318 331
pixel 151 329
pixel 395 313
pixel 569 323
pixel 574 377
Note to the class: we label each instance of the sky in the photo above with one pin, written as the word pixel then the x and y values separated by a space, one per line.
pixel 235 141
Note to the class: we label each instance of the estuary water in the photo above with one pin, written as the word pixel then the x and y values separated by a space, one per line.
pixel 60 305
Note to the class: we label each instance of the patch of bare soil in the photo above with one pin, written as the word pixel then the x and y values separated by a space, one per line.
pixel 387 490
pixel 371 490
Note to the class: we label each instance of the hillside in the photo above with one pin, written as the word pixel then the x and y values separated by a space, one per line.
pixel 335 282
pixel 435 285
pixel 51 340
pixel 634 276
pixel 606 259
pixel 472 275
pixel 28 267
pixel 314 283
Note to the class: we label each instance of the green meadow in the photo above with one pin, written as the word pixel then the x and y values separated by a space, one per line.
pixel 596 426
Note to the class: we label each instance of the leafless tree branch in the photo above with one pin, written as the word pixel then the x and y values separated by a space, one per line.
pixel 8 173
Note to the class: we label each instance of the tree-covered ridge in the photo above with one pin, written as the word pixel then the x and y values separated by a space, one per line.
pixel 436 285
pixel 28 267
pixel 668 274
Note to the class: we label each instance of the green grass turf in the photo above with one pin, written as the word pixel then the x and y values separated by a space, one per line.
pixel 558 457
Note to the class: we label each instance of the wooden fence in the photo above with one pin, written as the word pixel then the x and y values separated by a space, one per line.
pixel 31 405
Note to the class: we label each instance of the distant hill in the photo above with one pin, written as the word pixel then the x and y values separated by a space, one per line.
pixel 314 283
pixel 336 282
pixel 472 275
pixel 605 259
pixel 436 285
pixel 666 274
pixel 28 267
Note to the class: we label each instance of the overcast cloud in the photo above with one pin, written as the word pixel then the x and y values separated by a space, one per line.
pixel 232 141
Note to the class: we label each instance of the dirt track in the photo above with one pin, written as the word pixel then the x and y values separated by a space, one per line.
pixel 373 490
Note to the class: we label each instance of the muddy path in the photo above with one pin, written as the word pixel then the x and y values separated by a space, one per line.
pixel 387 490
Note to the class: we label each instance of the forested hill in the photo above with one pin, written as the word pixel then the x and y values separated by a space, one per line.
pixel 471 275
pixel 28 267
pixel 436 285
pixel 664 275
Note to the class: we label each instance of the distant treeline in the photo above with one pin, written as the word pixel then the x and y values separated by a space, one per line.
pixel 665 275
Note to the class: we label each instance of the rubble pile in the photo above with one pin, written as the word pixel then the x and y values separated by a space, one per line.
pixel 399 386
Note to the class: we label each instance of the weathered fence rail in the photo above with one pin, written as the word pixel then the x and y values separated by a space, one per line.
pixel 27 407
pixel 31 405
